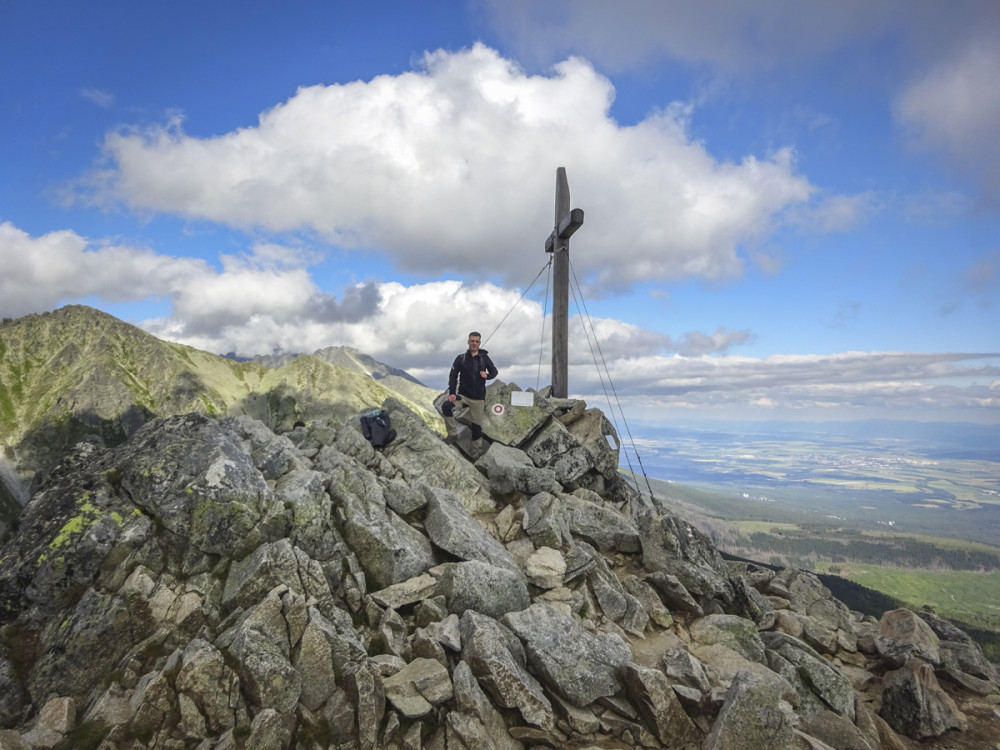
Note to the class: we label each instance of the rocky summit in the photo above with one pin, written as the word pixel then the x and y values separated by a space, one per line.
pixel 210 584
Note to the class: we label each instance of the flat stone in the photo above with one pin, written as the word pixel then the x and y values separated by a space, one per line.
pixel 418 687
pixel 546 568
pixel 407 592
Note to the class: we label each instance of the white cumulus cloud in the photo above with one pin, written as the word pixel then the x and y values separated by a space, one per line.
pixel 451 168
pixel 39 273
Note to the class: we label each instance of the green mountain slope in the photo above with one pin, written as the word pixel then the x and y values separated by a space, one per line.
pixel 78 373
pixel 396 380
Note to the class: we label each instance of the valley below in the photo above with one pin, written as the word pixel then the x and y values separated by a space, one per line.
pixel 908 513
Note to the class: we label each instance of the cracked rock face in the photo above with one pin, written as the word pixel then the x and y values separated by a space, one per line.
pixel 210 584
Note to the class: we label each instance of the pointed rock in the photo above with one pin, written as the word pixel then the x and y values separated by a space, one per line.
pixel 658 705
pixel 914 704
pixel 472 701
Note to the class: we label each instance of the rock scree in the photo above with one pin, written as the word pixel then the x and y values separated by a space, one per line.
pixel 211 585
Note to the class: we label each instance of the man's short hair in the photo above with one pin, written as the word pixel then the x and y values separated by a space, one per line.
pixel 477 334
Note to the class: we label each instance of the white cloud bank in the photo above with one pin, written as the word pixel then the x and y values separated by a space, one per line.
pixel 267 301
pixel 842 386
pixel 451 168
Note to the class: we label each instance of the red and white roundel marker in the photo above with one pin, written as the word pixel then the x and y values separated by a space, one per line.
pixel 498 409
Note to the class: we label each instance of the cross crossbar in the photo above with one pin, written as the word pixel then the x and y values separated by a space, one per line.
pixel 565 230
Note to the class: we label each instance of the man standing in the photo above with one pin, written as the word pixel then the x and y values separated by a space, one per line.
pixel 467 379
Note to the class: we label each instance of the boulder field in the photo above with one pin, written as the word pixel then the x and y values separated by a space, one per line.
pixel 212 585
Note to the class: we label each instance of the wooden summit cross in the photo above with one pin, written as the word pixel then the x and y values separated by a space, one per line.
pixel 557 243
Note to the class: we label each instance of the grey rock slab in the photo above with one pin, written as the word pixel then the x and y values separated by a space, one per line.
pixel 420 457
pixel 820 676
pixel 314 662
pixel 581 559
pixel 274 564
pixel 608 591
pixel 701 581
pixel 482 587
pixel 737 633
pixel 658 705
pixel 649 600
pixel 367 693
pixel 580 720
pixel 418 687
pixel 424 645
pixel 402 497
pixel 722 664
pixel 472 701
pixel 599 524
pixel 266 675
pixel 902 634
pixel 635 619
pixel 556 448
pixel 303 492
pixel 673 593
pixel 579 665
pixel 683 668
pixel 268 729
pixel 510 470
pixel 544 523
pixel 546 568
pixel 508 524
pixel 447 632
pixel 668 540
pixel 497 659
pixel 513 425
pixel 391 635
pixel 406 592
pixel 450 527
pixel 209 682
pixel 837 732
pixel 750 718
pixel 388 549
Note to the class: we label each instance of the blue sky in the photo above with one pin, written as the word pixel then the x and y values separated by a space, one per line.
pixel 792 209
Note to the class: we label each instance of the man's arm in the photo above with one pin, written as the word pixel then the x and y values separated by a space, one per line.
pixel 453 377
pixel 491 370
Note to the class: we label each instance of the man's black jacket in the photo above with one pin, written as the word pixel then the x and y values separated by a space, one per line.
pixel 465 374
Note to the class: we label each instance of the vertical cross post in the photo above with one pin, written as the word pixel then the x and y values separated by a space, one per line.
pixel 566 223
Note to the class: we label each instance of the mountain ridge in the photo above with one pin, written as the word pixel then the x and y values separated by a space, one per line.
pixel 397 380
pixel 79 373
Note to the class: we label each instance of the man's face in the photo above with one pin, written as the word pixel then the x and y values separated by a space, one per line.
pixel 473 344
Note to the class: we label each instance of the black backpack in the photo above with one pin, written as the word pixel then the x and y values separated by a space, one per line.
pixel 377 429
